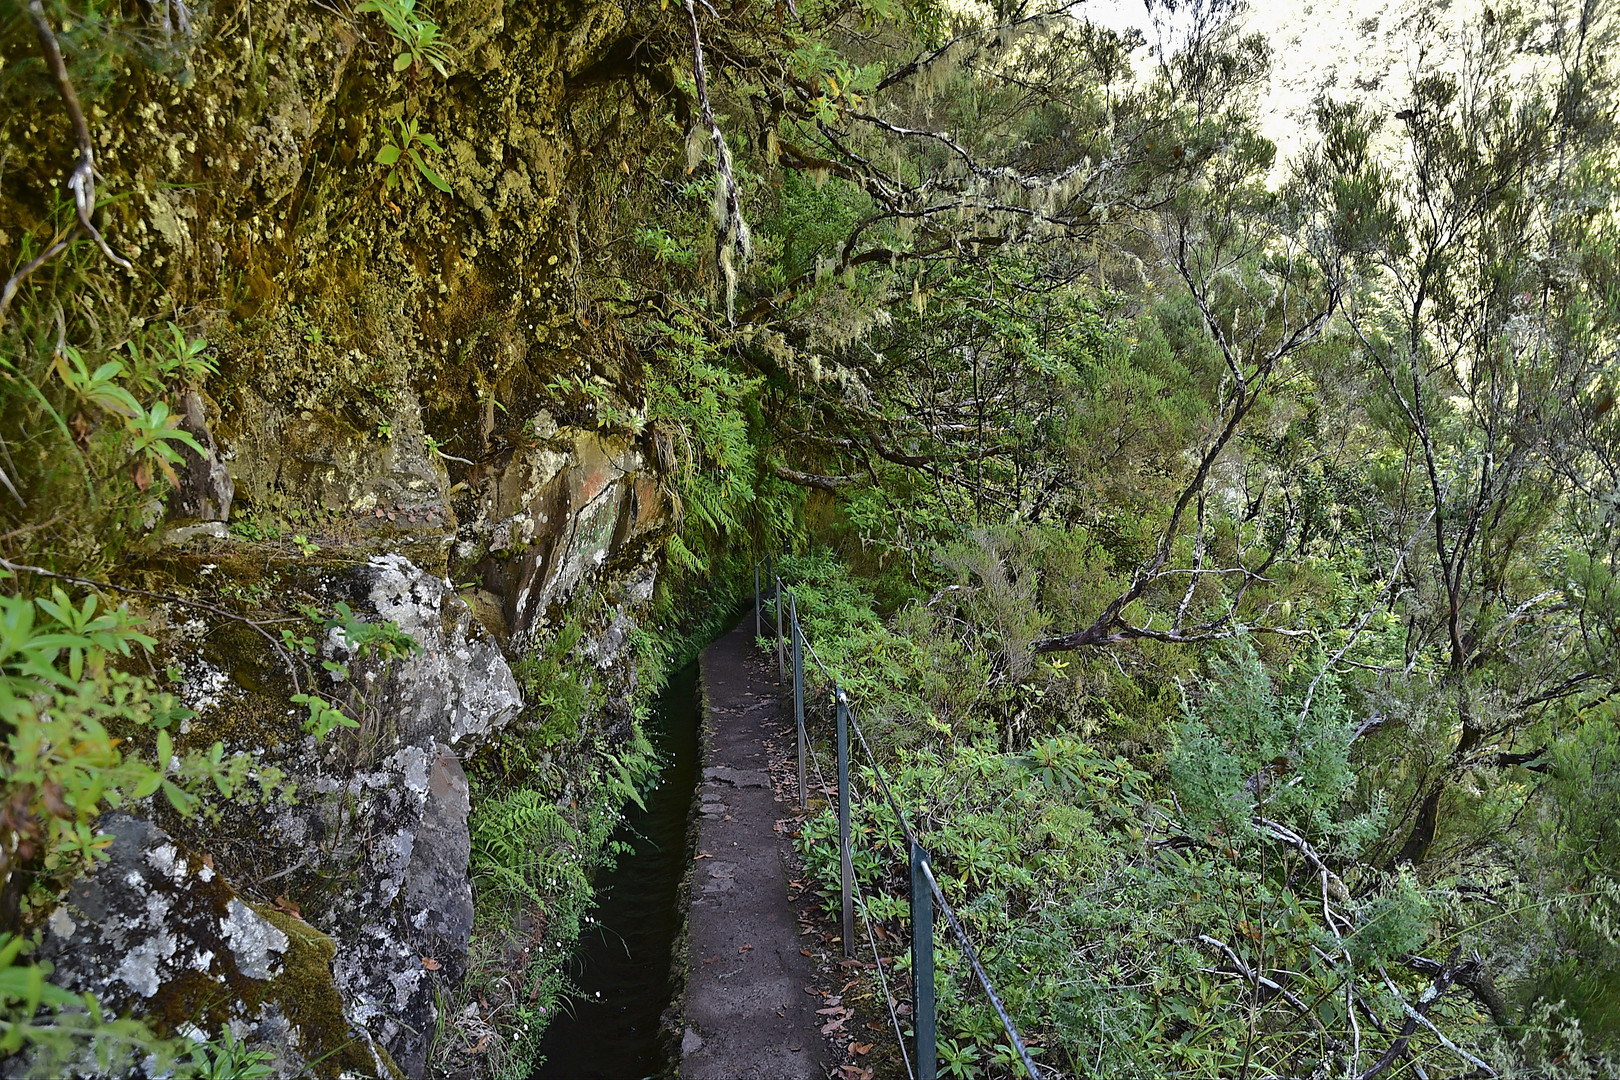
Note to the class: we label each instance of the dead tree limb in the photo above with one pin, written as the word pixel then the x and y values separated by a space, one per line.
pixel 813 480
pixel 1475 978
pixel 254 624
pixel 16 280
pixel 1415 1015
pixel 82 181
pixel 1258 980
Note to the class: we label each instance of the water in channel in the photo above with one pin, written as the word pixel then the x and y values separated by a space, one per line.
pixel 622 964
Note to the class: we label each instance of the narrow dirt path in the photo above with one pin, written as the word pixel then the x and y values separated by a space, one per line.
pixel 749 1009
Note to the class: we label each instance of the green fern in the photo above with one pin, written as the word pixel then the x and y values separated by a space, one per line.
pixel 516 841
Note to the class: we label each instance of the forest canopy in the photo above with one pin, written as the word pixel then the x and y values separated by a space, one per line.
pixel 1222 542
pixel 1244 529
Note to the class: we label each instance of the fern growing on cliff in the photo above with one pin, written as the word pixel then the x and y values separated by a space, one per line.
pixel 519 841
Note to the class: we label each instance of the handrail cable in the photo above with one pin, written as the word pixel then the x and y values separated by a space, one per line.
pixel 888 999
pixel 812 648
pixel 950 913
pixel 883 783
pixel 978 969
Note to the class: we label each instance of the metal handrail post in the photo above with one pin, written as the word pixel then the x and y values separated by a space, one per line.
pixel 922 966
pixel 781 659
pixel 757 627
pixel 846 863
pixel 798 695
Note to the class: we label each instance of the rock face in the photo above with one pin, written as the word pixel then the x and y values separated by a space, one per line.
pixel 156 931
pixel 417 389
pixel 381 814
pixel 394 804
pixel 376 846
pixel 553 515
pixel 206 488
pixel 150 914
pixel 281 455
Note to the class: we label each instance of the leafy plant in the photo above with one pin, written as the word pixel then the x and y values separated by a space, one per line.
pixel 226 1059
pixel 156 431
pixel 255 529
pixel 166 355
pixel 407 147
pixel 324 717
pixel 664 247
pixel 101 387
pixel 518 841
pixel 384 639
pixel 157 434
pixel 186 356
pixel 957 1060
pixel 418 36
pixel 362 639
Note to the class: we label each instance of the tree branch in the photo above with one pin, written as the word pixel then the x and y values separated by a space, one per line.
pixel 82 181
pixel 813 480
pixel 280 651
pixel 1415 1015
pixel 1474 977
pixel 732 238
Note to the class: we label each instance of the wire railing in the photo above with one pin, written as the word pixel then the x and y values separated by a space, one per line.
pixel 926 894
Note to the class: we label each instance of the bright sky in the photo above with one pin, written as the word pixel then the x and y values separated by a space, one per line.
pixel 1360 48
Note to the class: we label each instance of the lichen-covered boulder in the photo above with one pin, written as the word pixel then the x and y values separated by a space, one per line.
pixel 153 929
pixel 388 807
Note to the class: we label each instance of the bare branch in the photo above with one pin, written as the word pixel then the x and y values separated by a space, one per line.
pixel 813 480
pixel 16 280
pixel 1427 999
pixel 1258 980
pixel 82 181
pixel 1474 976
pixel 991 33
pixel 1415 1014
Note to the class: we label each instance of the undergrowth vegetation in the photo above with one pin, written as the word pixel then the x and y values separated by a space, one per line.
pixel 1123 902
pixel 1221 552
pixel 63 696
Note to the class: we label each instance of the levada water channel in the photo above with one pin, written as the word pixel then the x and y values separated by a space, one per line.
pixel 622 966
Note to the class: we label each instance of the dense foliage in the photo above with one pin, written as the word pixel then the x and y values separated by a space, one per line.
pixel 1221 550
